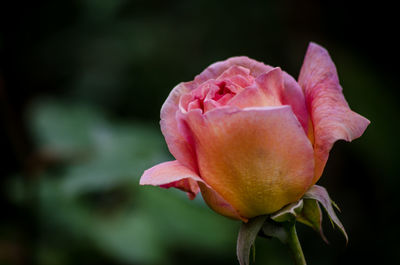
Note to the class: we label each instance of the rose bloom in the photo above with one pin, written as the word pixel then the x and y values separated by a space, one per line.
pixel 250 137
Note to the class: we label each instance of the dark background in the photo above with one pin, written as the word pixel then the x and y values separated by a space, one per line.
pixel 81 86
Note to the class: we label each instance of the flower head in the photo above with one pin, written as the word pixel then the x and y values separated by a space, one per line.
pixel 250 137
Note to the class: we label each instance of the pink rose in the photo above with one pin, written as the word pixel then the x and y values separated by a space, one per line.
pixel 251 138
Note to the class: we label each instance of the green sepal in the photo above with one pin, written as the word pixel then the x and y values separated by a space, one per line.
pixel 311 215
pixel 320 194
pixel 247 235
pixel 288 213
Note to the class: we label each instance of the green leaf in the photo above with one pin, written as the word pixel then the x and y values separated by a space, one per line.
pixel 311 215
pixel 320 194
pixel 289 212
pixel 247 234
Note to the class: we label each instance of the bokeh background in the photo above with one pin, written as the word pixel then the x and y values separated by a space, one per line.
pixel 81 86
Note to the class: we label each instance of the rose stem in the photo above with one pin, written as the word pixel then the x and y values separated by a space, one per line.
pixel 294 245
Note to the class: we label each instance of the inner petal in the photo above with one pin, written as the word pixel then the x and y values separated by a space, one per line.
pixel 238 75
pixel 223 91
pixel 209 96
pixel 215 93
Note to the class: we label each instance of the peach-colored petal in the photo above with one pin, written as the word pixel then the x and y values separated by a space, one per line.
pixel 219 204
pixel 216 69
pixel 257 159
pixel 175 141
pixel 330 114
pixel 172 174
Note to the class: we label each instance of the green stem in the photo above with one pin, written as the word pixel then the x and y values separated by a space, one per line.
pixel 294 245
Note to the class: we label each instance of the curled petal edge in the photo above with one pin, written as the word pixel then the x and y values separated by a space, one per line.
pixel 331 116
pixel 177 144
pixel 172 174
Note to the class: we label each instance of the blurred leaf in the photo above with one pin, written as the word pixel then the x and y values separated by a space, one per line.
pixel 186 221
pixel 63 129
pixel 96 197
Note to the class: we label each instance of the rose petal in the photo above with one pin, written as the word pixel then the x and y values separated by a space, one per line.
pixel 257 159
pixel 233 71
pixel 172 174
pixel 282 89
pixel 216 69
pixel 250 97
pixel 219 204
pixel 238 75
pixel 293 95
pixel 272 85
pixel 265 92
pixel 330 114
pixel 177 144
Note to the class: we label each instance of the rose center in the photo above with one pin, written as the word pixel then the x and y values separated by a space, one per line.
pixel 223 90
pixel 210 95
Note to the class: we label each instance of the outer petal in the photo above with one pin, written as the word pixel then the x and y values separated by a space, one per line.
pixel 216 69
pixel 219 204
pixel 177 144
pixel 330 114
pixel 257 159
pixel 172 174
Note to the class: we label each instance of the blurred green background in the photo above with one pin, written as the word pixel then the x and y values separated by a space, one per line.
pixel 81 86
